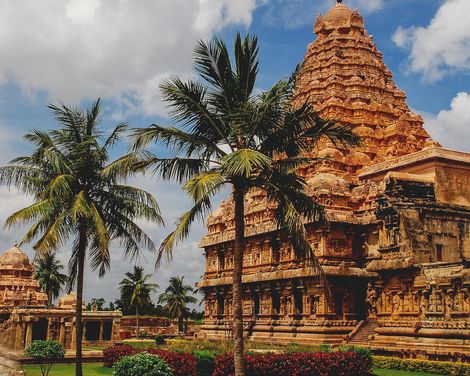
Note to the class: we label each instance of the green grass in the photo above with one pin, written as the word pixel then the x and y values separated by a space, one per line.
pixel 392 372
pixel 89 369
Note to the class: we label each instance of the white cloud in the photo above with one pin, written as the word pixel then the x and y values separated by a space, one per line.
pixel 441 47
pixel 452 127
pixel 292 14
pixel 76 49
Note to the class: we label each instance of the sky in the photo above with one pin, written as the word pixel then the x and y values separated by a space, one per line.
pixel 120 50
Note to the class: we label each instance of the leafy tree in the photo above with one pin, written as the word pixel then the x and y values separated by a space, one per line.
pixel 80 193
pixel 176 298
pixel 45 353
pixel 227 134
pixel 137 290
pixel 97 302
pixel 47 272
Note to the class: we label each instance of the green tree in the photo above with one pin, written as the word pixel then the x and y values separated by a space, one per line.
pixel 47 272
pixel 227 134
pixel 80 193
pixel 97 302
pixel 45 353
pixel 136 290
pixel 176 298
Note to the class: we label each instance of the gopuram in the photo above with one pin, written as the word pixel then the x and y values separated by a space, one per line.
pixel 25 316
pixel 396 246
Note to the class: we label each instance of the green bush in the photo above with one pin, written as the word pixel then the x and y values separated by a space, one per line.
pixel 205 362
pixel 429 366
pixel 142 333
pixel 142 364
pixel 357 350
pixel 45 353
pixel 325 348
pixel 160 339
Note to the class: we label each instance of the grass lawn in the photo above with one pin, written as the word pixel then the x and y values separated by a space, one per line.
pixel 392 372
pixel 89 369
pixel 96 369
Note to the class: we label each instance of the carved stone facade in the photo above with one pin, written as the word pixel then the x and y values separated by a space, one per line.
pixel 25 316
pixel 396 248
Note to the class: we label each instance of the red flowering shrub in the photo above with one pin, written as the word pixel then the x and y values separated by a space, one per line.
pixel 114 353
pixel 182 364
pixel 298 364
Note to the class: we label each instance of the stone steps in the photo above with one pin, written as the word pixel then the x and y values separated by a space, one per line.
pixel 362 336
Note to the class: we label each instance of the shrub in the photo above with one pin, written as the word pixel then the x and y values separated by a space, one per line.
pixel 142 364
pixel 428 366
pixel 160 339
pixel 114 353
pixel 142 334
pixel 45 353
pixel 298 364
pixel 205 362
pixel 182 364
pixel 325 348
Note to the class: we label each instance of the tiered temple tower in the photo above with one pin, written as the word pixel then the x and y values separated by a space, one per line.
pixel 396 246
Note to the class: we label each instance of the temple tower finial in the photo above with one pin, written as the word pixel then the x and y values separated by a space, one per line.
pixel 339 1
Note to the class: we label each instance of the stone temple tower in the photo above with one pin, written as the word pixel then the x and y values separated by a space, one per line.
pixel 396 246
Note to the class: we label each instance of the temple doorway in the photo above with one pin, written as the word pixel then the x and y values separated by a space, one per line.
pixel 92 332
pixel 255 304
pixel 339 297
pixel 40 330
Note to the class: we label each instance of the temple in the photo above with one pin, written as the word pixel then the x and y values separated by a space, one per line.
pixel 25 316
pixel 396 245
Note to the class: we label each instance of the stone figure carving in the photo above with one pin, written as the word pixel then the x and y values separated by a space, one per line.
pixel 371 300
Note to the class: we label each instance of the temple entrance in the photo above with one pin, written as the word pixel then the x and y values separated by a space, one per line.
pixel 40 330
pixel 276 302
pixel 92 332
pixel 339 297
pixel 255 304
pixel 107 330
pixel 298 302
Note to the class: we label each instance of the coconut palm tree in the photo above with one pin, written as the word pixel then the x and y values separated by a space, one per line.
pixel 230 135
pixel 136 288
pixel 47 272
pixel 176 298
pixel 80 193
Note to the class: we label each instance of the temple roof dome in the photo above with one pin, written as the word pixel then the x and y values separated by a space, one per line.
pixel 339 12
pixel 328 183
pixel 14 258
pixel 340 16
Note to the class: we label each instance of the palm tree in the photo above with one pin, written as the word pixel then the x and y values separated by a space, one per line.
pixel 229 135
pixel 137 290
pixel 47 273
pixel 80 193
pixel 176 299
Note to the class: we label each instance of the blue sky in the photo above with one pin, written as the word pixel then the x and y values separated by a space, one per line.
pixel 78 50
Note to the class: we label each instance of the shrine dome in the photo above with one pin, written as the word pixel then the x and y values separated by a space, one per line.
pixel 325 183
pixel 16 259
pixel 339 12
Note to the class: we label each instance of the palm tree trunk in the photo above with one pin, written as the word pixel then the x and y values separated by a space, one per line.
pixel 137 320
pixel 238 198
pixel 78 319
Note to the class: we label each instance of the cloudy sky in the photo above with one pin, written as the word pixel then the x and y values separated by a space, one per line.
pixel 119 50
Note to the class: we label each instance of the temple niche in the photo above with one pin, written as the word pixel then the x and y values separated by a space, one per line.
pixel 396 246
pixel 25 315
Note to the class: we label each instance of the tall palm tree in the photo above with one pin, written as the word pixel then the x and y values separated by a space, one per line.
pixel 229 135
pixel 176 298
pixel 47 272
pixel 80 193
pixel 136 288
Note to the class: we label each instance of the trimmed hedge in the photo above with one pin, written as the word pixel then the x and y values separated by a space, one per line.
pixel 298 364
pixel 182 364
pixel 114 354
pixel 417 365
pixel 142 364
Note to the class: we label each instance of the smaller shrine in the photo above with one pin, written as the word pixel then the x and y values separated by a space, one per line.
pixel 25 316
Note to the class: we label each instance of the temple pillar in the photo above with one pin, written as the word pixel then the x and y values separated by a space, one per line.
pixel 62 333
pixel 49 329
pixel 29 333
pixel 20 335
pixel 101 330
pixel 73 339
